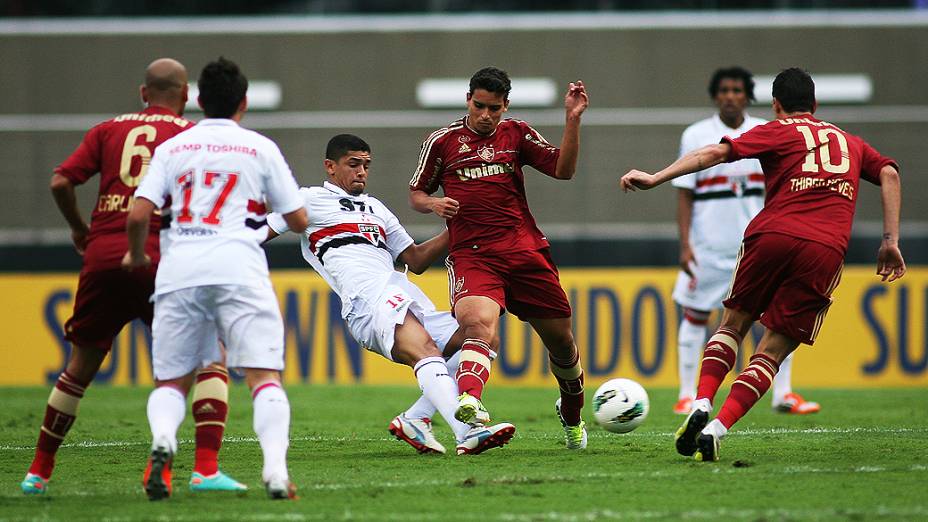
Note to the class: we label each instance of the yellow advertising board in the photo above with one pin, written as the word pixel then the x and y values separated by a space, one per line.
pixel 624 320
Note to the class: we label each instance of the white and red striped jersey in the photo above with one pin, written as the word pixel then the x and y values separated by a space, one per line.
pixel 351 241
pixel 725 197
pixel 218 177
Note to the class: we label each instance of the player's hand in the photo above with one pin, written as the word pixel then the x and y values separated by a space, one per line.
pixel 445 208
pixel 130 263
pixel 686 258
pixel 636 179
pixel 79 239
pixel 576 100
pixel 889 263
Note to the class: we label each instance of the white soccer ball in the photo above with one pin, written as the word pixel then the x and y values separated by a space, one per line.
pixel 620 405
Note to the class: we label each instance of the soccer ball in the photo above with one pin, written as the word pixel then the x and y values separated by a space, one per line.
pixel 620 405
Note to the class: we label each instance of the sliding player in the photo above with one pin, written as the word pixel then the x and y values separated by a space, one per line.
pixel 352 241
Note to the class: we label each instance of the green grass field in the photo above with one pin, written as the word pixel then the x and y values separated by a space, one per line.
pixel 865 457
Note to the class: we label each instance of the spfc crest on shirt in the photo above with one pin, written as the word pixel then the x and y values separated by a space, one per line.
pixel 486 153
pixel 371 232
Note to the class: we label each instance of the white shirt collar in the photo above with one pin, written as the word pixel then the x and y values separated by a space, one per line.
pixel 722 125
pixel 328 185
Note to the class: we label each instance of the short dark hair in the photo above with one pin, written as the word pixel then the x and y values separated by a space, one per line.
pixel 795 90
pixel 491 79
pixel 342 144
pixel 732 73
pixel 222 88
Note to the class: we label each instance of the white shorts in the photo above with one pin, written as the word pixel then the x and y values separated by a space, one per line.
pixel 373 324
pixel 706 291
pixel 188 321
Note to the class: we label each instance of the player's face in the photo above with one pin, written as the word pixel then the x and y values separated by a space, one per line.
pixel 350 171
pixel 484 110
pixel 731 98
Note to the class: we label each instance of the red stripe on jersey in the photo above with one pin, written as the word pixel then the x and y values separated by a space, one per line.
pixel 341 228
pixel 257 207
pixel 722 180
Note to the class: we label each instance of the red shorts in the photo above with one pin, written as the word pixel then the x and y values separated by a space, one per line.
pixel 524 283
pixel 787 282
pixel 106 300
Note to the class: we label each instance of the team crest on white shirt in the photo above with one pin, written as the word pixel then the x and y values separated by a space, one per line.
pixel 486 153
pixel 371 232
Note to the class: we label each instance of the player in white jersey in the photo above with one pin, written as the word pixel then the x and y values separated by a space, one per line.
pixel 714 206
pixel 213 276
pixel 353 241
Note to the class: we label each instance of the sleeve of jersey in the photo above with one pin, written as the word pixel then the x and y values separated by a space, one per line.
pixel 751 144
pixel 397 237
pixel 84 162
pixel 155 186
pixel 872 162
pixel 689 180
pixel 428 170
pixel 536 151
pixel 282 191
pixel 278 224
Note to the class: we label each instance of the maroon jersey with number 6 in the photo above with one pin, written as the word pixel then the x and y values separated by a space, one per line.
pixel 120 150
pixel 484 174
pixel 812 170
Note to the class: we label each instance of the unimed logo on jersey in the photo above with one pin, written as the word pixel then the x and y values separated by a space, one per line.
pixel 371 232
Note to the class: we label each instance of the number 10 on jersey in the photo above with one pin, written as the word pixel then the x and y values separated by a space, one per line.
pixel 210 181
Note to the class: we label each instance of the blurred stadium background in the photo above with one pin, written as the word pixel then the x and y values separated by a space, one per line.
pixel 385 70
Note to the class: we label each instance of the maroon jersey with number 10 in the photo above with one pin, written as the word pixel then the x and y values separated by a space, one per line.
pixel 120 150
pixel 812 170
pixel 484 174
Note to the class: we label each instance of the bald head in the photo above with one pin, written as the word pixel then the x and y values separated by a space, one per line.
pixel 166 84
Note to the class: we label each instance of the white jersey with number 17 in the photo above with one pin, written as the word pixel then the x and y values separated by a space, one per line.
pixel 220 178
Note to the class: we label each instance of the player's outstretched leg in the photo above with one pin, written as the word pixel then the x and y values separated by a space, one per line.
pixel 691 338
pixel 167 406
pixel 272 425
pixel 784 399
pixel 60 414
pixel 210 409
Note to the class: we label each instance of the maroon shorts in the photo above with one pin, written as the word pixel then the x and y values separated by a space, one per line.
pixel 524 283
pixel 106 300
pixel 786 282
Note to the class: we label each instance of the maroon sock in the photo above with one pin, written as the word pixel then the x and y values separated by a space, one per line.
pixel 718 358
pixel 474 369
pixel 569 375
pixel 210 409
pixel 60 413
pixel 748 388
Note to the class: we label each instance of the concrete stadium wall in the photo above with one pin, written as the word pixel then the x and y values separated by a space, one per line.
pixel 647 80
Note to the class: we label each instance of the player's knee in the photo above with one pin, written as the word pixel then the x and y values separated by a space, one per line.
pixel 561 343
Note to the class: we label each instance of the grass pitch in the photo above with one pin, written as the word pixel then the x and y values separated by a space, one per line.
pixel 865 457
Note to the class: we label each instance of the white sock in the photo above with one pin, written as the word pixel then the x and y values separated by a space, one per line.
pixel 783 380
pixel 440 389
pixel 690 341
pixel 715 427
pixel 272 425
pixel 166 409
pixel 702 404
pixel 423 408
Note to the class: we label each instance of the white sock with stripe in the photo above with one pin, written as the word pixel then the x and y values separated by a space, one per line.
pixel 167 407
pixel 439 388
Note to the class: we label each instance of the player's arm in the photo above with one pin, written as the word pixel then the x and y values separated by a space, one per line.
pixel 66 198
pixel 684 220
pixel 137 230
pixel 575 102
pixel 699 159
pixel 419 257
pixel 890 264
pixel 420 201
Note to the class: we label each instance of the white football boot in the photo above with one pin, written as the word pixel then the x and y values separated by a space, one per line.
pixel 482 438
pixel 417 433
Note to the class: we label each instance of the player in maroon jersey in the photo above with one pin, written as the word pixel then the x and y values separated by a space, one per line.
pixel 499 260
pixel 108 297
pixel 793 250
